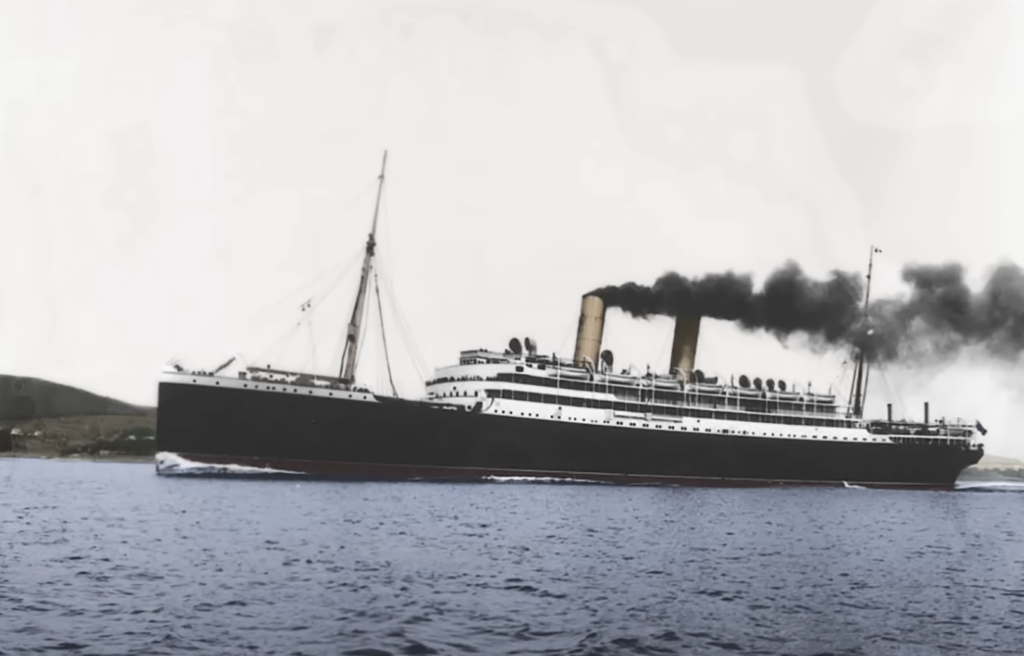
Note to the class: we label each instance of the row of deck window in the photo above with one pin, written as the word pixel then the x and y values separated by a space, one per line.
pixel 632 393
pixel 666 410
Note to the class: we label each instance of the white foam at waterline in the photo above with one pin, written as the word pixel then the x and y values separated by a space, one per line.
pixel 991 486
pixel 172 463
pixel 537 479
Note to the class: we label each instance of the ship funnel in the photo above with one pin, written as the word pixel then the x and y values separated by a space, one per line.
pixel 590 331
pixel 684 347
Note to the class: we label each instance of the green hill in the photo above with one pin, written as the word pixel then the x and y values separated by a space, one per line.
pixel 42 418
pixel 23 398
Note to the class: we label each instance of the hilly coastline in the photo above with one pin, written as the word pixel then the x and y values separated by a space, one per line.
pixel 43 419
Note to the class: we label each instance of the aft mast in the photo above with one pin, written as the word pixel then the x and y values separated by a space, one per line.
pixel 861 371
pixel 349 356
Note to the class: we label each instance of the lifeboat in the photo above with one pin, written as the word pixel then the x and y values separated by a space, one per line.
pixel 621 379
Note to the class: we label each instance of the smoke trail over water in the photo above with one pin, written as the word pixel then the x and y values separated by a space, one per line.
pixel 939 316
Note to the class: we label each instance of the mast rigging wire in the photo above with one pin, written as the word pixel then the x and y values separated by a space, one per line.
pixel 383 338
pixel 310 308
pixel 422 371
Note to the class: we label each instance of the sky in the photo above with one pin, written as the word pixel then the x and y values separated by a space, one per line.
pixel 176 179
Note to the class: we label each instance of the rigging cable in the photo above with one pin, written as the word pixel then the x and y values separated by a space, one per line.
pixel 315 237
pixel 380 310
pixel 312 345
pixel 363 326
pixel 864 389
pixel 272 348
pixel 422 370
pixel 343 266
pixel 665 346
pixel 312 308
pixel 290 334
pixel 839 385
pixel 853 350
pixel 895 397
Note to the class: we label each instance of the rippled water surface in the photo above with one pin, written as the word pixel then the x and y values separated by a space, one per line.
pixel 112 559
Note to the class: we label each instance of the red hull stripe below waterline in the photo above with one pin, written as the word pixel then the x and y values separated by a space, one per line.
pixel 379 472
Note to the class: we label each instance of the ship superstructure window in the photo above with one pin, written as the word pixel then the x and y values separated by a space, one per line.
pixel 720 405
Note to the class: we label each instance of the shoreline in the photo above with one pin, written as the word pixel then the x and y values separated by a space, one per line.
pixel 118 458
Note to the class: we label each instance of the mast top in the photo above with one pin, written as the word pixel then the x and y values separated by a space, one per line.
pixel 380 179
pixel 871 264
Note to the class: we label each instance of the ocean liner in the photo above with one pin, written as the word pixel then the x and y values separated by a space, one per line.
pixel 515 413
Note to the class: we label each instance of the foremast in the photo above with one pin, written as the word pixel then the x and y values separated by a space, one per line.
pixel 350 355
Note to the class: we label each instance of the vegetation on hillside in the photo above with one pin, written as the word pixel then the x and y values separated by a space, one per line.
pixel 137 441
pixel 102 435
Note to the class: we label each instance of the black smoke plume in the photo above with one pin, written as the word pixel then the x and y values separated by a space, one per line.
pixel 939 316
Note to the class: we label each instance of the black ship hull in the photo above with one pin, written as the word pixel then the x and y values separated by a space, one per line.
pixel 392 439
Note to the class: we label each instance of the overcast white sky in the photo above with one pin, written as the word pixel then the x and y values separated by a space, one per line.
pixel 172 173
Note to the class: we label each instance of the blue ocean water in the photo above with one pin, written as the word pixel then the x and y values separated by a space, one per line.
pixel 102 558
